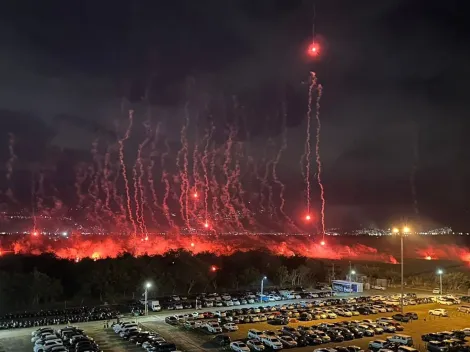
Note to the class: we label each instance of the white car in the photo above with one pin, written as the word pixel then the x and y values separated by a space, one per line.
pixel 445 301
pixel 439 312
pixel 344 312
pixel 47 345
pixel 273 343
pixel 256 335
pixel 330 314
pixel 41 330
pixel 213 328
pixel 436 291
pixel 466 331
pixel 239 346
pixel 230 327
pixel 255 345
pixel 47 338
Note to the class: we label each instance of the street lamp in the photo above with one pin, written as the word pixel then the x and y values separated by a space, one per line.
pixel 146 307
pixel 440 272
pixel 262 286
pixel 406 230
pixel 353 272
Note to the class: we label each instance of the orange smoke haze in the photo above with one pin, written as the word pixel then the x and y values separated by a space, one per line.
pixel 79 246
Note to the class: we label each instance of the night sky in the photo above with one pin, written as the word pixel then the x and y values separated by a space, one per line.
pixel 395 76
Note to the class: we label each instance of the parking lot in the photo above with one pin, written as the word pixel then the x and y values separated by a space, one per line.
pixel 197 340
pixel 414 328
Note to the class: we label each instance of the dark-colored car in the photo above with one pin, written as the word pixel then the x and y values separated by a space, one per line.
pixel 412 315
pixel 335 336
pixel 222 340
pixel 401 317
pixel 357 334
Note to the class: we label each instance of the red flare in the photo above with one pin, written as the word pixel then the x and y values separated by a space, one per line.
pixel 313 49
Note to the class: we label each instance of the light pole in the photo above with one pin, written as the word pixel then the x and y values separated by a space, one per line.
pixel 146 308
pixel 440 272
pixel 262 286
pixel 406 230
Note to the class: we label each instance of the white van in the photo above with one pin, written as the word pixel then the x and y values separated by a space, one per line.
pixel 401 339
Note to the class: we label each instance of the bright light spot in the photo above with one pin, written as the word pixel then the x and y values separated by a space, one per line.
pixel 308 217
pixel 35 233
pixel 428 257
pixel 406 229
pixel 195 195
pixel 146 238
pixel 64 233
pixel 353 272
pixel 213 268
pixel 95 256
pixel 395 230
pixel 148 285
pixel 78 259
pixel 313 49
pixel 192 244
pixel 322 243
pixel 206 225
pixel 440 272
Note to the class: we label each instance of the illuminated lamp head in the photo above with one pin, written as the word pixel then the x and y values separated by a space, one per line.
pixel 428 257
pixel 213 268
pixel 308 217
pixel 35 233
pixel 322 243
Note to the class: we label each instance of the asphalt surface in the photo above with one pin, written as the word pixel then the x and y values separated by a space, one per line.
pixel 19 340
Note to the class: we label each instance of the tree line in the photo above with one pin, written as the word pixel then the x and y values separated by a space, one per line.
pixel 34 282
